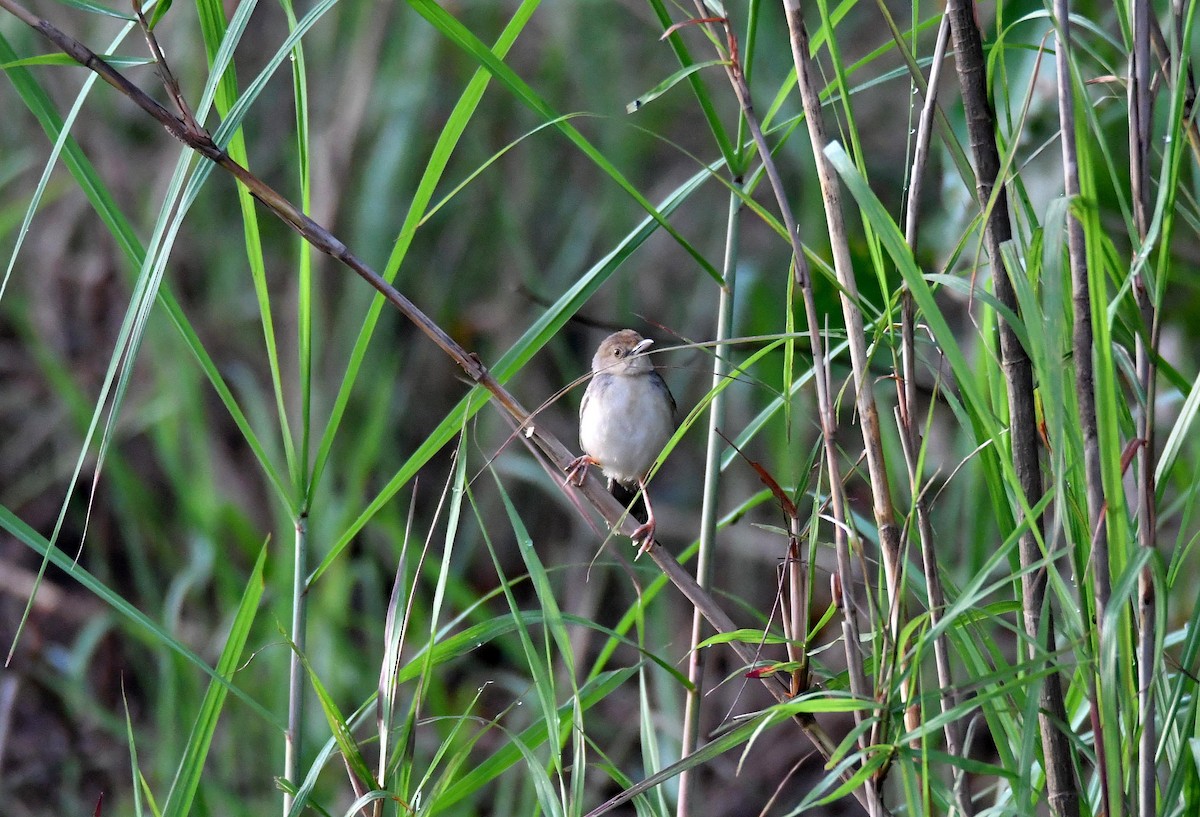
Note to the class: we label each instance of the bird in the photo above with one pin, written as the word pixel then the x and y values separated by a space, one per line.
pixel 626 417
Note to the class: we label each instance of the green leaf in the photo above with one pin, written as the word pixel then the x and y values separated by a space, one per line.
pixel 160 11
pixel 669 83
pixel 339 725
pixel 114 60
pixel 96 8
pixel 187 779
pixel 743 636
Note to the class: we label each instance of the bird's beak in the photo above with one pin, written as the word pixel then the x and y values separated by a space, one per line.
pixel 643 345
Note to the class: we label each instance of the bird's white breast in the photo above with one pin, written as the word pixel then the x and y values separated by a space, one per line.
pixel 626 421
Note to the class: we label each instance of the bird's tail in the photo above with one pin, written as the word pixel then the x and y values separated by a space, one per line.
pixel 625 495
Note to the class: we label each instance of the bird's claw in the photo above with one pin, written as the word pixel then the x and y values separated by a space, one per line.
pixel 577 470
pixel 645 536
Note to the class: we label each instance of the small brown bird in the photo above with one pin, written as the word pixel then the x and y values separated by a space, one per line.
pixel 626 418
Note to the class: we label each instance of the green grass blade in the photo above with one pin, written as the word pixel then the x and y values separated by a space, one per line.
pixel 187 780
pixel 458 34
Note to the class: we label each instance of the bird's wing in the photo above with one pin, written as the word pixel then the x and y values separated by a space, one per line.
pixel 666 389
pixel 587 395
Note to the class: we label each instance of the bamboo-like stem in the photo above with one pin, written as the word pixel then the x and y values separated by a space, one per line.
pixel 708 509
pixel 1082 331
pixel 1085 392
pixel 828 420
pixel 824 389
pixel 890 543
pixel 1147 778
pixel 1037 615
pixel 293 739
pixel 912 216
pixel 910 437
pixel 593 489
pixel 868 413
pixel 1145 350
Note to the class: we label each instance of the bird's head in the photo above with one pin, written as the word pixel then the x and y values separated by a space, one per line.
pixel 623 353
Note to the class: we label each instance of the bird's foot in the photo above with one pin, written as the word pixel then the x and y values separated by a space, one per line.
pixel 645 536
pixel 578 469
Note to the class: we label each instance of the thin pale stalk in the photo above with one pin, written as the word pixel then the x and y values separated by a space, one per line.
pixel 916 184
pixel 796 612
pixel 1037 616
pixel 947 696
pixel 708 510
pixel 910 437
pixel 293 747
pixel 881 494
pixel 1085 392
pixel 868 794
pixel 868 413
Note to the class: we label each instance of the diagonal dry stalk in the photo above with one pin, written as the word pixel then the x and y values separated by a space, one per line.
pixel 1037 615
pixel 187 131
pixel 184 128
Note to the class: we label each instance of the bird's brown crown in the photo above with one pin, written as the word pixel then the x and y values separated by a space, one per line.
pixel 623 353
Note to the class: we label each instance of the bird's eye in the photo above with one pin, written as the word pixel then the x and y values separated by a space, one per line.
pixel 618 352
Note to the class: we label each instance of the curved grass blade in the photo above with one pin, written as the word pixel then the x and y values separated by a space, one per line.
pixel 187 780
pixel 457 33
pixel 669 83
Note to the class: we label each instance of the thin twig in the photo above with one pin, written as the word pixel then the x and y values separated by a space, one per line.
pixel 1187 77
pixel 910 437
pixel 163 68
